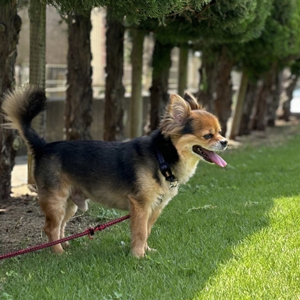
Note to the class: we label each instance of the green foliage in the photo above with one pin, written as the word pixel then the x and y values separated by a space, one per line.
pixel 216 22
pixel 134 10
pixel 279 42
pixel 178 21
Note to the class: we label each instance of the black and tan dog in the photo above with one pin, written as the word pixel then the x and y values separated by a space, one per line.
pixel 141 175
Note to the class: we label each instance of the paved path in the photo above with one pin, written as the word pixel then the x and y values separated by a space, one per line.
pixel 19 176
pixel 19 172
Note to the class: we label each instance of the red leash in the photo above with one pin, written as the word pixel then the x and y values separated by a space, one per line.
pixel 89 231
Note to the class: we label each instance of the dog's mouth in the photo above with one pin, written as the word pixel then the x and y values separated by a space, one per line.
pixel 210 156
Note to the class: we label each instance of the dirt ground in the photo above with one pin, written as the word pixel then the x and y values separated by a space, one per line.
pixel 21 220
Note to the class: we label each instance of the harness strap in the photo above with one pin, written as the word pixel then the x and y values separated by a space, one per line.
pixel 165 168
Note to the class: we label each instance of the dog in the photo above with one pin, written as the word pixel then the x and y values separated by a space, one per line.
pixel 141 175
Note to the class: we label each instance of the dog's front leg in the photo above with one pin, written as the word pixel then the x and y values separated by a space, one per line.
pixel 139 215
pixel 152 218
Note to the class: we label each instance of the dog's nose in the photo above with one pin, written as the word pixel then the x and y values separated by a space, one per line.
pixel 224 143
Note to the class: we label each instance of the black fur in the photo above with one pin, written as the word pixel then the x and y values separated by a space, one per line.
pixel 188 127
pixel 96 162
pixel 36 103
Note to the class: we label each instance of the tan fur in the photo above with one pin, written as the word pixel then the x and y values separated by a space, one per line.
pixel 177 110
pixel 146 208
pixel 139 213
pixel 14 105
pixel 58 209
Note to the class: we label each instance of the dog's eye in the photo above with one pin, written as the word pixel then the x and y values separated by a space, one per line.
pixel 208 136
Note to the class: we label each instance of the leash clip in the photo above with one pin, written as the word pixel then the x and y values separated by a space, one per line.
pixel 91 233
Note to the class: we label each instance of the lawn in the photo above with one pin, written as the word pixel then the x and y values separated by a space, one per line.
pixel 231 233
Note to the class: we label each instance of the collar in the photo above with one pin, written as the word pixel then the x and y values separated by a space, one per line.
pixel 166 170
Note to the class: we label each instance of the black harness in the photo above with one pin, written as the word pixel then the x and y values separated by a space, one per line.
pixel 166 170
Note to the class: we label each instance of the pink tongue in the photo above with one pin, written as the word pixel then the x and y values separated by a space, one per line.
pixel 218 160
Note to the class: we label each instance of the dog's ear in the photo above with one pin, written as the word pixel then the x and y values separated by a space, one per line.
pixel 175 117
pixel 192 101
pixel 178 109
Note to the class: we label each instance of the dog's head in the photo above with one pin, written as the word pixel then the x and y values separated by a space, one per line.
pixel 194 131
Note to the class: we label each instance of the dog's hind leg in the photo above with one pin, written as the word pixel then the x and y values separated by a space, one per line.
pixel 54 207
pixel 139 215
pixel 70 211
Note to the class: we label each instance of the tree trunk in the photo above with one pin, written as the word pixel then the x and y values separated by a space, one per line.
pixel 183 67
pixel 251 94
pixel 136 104
pixel 275 98
pixel 208 79
pixel 239 106
pixel 289 84
pixel 264 98
pixel 10 26
pixel 37 16
pixel 224 90
pixel 114 89
pixel 159 96
pixel 78 113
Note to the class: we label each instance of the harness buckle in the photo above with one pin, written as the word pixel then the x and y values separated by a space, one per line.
pixel 173 184
pixel 166 170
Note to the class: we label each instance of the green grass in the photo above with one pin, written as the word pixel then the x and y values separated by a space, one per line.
pixel 231 233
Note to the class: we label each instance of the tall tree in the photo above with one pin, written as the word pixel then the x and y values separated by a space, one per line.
pixel 247 106
pixel 182 69
pixel 276 90
pixel 114 89
pixel 290 79
pixel 208 78
pixel 216 25
pixel 136 103
pixel 264 57
pixel 224 90
pixel 37 64
pixel 78 113
pixel 264 99
pixel 161 63
pixel 10 26
pixel 238 112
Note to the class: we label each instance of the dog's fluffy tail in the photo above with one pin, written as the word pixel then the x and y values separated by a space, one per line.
pixel 20 107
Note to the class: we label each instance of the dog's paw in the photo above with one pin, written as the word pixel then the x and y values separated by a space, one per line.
pixel 65 244
pixel 147 248
pixel 138 253
pixel 150 249
pixel 58 249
